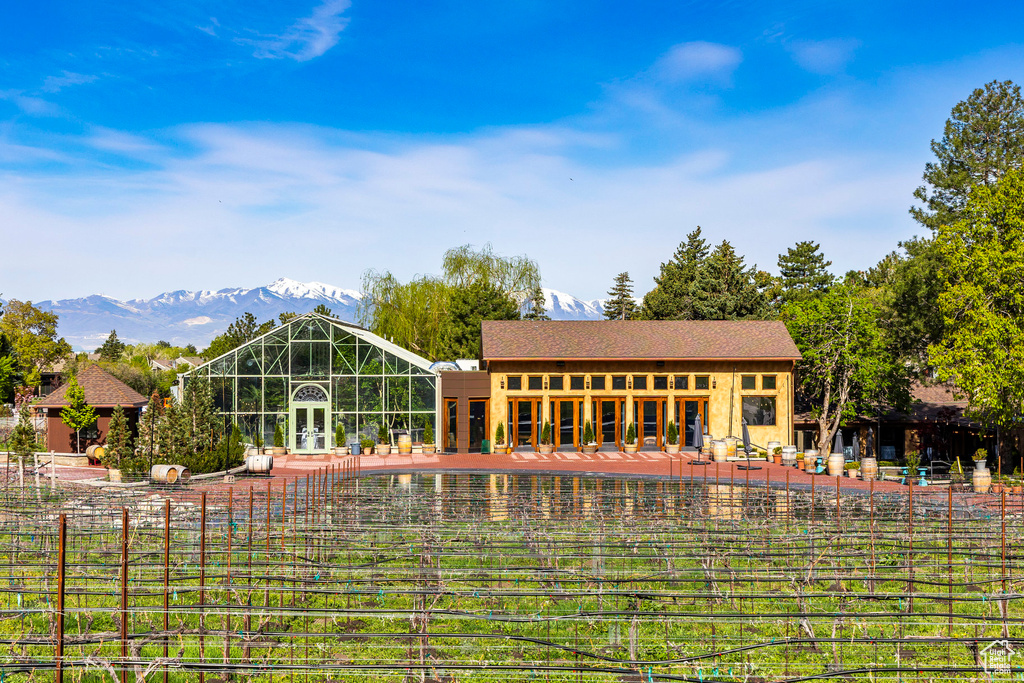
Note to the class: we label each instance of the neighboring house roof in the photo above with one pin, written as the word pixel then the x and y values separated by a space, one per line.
pixel 930 403
pixel 193 361
pixel 102 390
pixel 162 363
pixel 637 339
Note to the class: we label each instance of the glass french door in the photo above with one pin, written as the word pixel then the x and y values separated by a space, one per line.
pixel 687 412
pixel 567 422
pixel 609 418
pixel 310 429
pixel 650 417
pixel 524 421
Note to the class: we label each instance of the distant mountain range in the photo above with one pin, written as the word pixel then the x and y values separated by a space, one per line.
pixel 183 317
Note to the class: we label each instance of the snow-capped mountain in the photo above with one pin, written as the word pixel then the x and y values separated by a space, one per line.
pixel 196 317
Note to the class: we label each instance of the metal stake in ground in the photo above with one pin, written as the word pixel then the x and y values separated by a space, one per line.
pixel 59 650
pixel 124 595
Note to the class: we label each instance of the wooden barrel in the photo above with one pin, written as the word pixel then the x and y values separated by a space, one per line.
pixel 836 464
pixel 95 452
pixel 259 464
pixel 810 459
pixel 868 468
pixel 730 446
pixel 982 480
pixel 719 451
pixel 183 473
pixel 163 474
pixel 404 443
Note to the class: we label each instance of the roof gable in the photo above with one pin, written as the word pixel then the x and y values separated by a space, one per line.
pixel 637 340
pixel 102 390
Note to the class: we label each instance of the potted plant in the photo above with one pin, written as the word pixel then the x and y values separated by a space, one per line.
pixel 912 460
pixel 366 443
pixel 852 469
pixel 428 438
pixel 673 438
pixel 1015 482
pixel 589 443
pixel 499 439
pixel 339 440
pixel 799 463
pixel 545 439
pixel 630 446
pixel 278 448
pixel 383 445
pixel 777 455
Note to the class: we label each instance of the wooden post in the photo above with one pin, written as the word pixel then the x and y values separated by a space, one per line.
pixel 227 612
pixel 124 595
pixel 167 581
pixel 62 531
pixel 202 585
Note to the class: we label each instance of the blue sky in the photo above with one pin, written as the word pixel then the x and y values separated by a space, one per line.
pixel 176 145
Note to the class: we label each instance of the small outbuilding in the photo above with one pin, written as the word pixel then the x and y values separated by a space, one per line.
pixel 103 392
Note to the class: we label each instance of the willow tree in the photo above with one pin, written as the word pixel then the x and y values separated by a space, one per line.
pixel 415 314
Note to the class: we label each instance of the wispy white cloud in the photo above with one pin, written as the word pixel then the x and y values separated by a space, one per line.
pixel 29 104
pixel 307 38
pixel 698 60
pixel 824 57
pixel 54 84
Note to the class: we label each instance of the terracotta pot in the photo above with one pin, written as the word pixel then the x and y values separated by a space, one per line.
pixel 545 448
pixel 629 448
pixel 672 448
pixel 1018 489
pixel 590 448
pixel 997 488
pixel 429 448
pixel 853 474
pixel 777 457
pixel 368 450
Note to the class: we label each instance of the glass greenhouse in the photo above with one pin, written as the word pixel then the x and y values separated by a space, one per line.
pixel 315 372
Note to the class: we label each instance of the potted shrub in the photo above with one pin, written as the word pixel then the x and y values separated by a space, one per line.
pixel 912 460
pixel 366 443
pixel 852 470
pixel 383 445
pixel 545 438
pixel 278 448
pixel 673 438
pixel 428 438
pixel 339 440
pixel 499 439
pixel 630 446
pixel 777 455
pixel 589 442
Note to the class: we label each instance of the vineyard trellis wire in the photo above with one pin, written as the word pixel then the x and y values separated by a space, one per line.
pixel 443 577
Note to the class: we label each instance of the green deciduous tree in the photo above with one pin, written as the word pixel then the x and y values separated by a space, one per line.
pixel 982 141
pixel 77 414
pixel 244 329
pixel 112 348
pixel 803 272
pixel 620 304
pixel 982 301
pixel 33 336
pixel 847 366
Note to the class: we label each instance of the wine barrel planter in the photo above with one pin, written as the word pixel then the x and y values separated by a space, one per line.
pixel 163 474
pixel 404 444
pixel 96 452
pixel 184 473
pixel 259 464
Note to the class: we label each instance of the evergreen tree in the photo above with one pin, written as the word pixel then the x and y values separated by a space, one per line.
pixel 23 438
pixel 149 429
pixel 620 304
pixel 321 309
pixel 467 307
pixel 724 289
pixel 119 438
pixel 803 271
pixel 169 434
pixel 78 414
pixel 982 141
pixel 243 330
pixel 198 416
pixel 670 298
pixel 537 306
pixel 112 348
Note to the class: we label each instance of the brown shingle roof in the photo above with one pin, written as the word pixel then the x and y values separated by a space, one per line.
pixel 102 390
pixel 637 339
